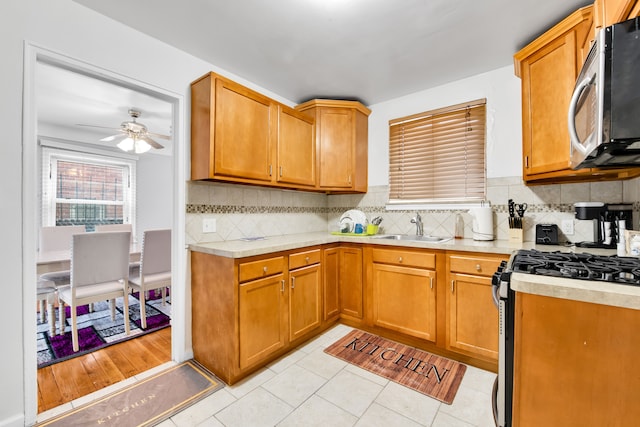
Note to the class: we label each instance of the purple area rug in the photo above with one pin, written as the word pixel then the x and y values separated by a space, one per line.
pixel 96 329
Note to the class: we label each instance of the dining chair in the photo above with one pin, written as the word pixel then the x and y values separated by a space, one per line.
pixel 155 267
pixel 99 271
pixel 46 292
pixel 133 265
pixel 54 239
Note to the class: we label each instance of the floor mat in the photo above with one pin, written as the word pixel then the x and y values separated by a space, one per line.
pixel 427 373
pixel 147 402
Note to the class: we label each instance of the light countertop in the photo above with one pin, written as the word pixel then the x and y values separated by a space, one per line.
pixel 261 246
pixel 580 290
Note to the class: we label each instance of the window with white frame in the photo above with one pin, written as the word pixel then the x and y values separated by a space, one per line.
pixel 86 189
pixel 438 157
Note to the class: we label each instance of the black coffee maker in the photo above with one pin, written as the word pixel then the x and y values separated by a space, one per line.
pixel 609 222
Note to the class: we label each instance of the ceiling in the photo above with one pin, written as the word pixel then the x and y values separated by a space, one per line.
pixel 368 50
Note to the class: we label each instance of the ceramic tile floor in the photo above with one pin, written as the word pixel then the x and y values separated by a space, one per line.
pixel 308 387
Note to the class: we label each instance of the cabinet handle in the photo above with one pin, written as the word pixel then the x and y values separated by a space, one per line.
pixel 431 282
pixel 399 259
pixel 282 286
pixel 293 282
pixel 270 169
pixel 478 268
pixel 526 162
pixel 306 259
pixel 452 283
pixel 349 179
pixel 280 171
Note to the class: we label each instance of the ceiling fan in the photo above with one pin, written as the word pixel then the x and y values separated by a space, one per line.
pixel 132 135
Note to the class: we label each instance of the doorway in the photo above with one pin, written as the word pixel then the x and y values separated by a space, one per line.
pixel 33 128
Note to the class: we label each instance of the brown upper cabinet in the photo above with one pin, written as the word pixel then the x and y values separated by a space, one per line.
pixel 548 68
pixel 341 144
pixel 239 135
pixel 609 12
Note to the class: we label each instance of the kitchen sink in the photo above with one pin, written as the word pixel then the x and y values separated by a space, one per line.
pixel 413 238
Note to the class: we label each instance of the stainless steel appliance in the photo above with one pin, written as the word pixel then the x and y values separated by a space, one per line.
pixel 582 266
pixel 604 109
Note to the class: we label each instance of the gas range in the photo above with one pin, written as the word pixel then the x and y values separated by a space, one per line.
pixel 584 266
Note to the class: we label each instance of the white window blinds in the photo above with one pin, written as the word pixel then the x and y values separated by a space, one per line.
pixel 438 156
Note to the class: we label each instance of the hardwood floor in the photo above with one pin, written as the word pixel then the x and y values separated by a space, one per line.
pixel 65 381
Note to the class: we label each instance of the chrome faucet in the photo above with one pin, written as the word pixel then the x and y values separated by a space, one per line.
pixel 418 222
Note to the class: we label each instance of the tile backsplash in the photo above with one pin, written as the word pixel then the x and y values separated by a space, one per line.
pixel 246 211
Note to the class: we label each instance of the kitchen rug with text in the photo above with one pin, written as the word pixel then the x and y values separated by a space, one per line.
pixel 145 403
pixel 435 376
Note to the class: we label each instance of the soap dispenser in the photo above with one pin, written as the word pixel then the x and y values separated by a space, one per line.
pixel 459 227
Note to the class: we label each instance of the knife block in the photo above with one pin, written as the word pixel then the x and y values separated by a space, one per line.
pixel 516 235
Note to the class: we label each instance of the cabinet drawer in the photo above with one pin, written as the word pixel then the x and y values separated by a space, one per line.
pixel 303 259
pixel 473 265
pixel 261 268
pixel 404 257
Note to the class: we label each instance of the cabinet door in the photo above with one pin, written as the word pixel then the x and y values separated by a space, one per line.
pixel 609 12
pixel 473 317
pixel 243 133
pixel 304 301
pixel 296 148
pixel 548 77
pixel 335 138
pixel 404 300
pixel 351 282
pixel 262 319
pixel 331 281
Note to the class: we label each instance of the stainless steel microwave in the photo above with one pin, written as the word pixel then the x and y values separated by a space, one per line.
pixel 604 112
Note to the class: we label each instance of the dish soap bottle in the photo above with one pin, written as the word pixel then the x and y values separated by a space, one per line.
pixel 459 228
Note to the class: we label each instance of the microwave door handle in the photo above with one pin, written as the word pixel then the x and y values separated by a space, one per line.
pixel 573 134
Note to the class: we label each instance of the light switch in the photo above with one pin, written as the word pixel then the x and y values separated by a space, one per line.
pixel 209 225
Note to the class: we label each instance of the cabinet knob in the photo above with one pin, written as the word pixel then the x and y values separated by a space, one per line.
pixel 306 259
pixel 264 268
pixel 478 267
pixel 399 259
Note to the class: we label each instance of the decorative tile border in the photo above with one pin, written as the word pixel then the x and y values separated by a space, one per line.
pixel 227 209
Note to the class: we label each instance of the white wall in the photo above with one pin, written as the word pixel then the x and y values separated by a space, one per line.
pixel 153 193
pixel 72 30
pixel 500 87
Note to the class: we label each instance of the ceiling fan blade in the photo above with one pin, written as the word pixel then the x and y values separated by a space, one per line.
pixel 111 137
pixel 159 135
pixel 151 142
pixel 99 127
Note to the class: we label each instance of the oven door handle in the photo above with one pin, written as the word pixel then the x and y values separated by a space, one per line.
pixel 494 401
pixel 494 293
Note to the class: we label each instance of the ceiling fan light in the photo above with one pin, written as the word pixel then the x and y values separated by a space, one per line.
pixel 141 146
pixel 126 144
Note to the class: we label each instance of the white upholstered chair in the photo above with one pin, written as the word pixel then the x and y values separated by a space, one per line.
pixel 99 271
pixel 55 239
pixel 155 267
pixel 133 265
pixel 47 296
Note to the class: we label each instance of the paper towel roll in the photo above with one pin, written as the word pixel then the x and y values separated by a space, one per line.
pixel 482 225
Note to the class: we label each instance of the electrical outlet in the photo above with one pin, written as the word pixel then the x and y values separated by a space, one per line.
pixel 209 225
pixel 567 227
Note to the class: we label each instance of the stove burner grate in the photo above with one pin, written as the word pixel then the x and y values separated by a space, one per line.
pixel 582 266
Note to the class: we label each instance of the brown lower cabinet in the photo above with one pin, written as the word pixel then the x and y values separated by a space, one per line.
pixel 247 312
pixel 403 288
pixel 472 318
pixel 575 363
